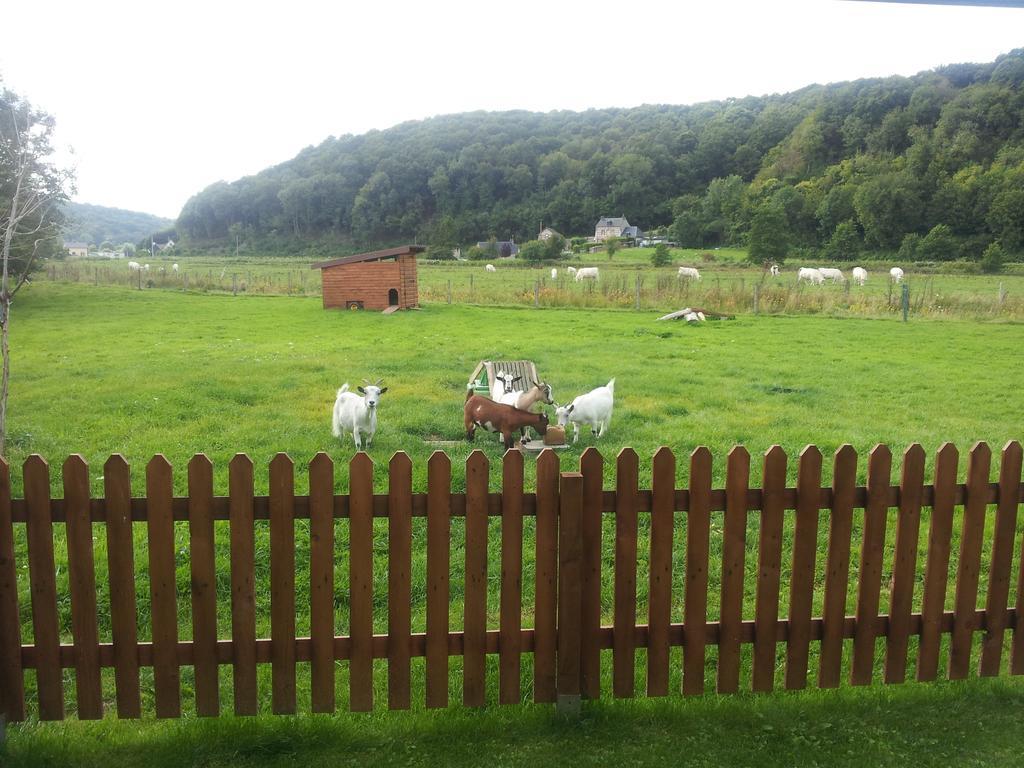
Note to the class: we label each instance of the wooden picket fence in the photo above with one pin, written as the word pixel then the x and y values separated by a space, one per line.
pixel 567 638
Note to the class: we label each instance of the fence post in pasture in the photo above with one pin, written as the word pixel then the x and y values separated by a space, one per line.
pixel 399 580
pixel 801 584
pixel 545 582
pixel 733 547
pixel 162 590
pixel 1002 294
pixel 905 301
pixel 204 585
pixel 439 481
pixel 511 618
pixel 570 577
pixel 138 273
pixel 475 602
pixel 186 282
pixel 536 293
pixel 695 604
pixel 449 291
pixel 659 614
pixel 757 298
pixel 592 470
pixel 282 584
pixel 624 624
pixel 638 293
pixel 769 567
pixel 360 565
pixel 321 582
pixel 837 565
pixel 234 284
pixel 243 593
pixel 471 288
pixel 12 685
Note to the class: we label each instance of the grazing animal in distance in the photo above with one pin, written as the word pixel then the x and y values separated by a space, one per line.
pixel 594 408
pixel 498 417
pixel 134 266
pixel 896 274
pixel 357 413
pixel 774 270
pixel 587 273
pixel 554 273
pixel 810 274
pixel 490 268
pixel 174 267
pixel 833 274
pixel 860 275
pixel 689 273
pixel 571 270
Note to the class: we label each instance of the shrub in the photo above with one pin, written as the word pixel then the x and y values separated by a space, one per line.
pixel 993 258
pixel 534 250
pixel 662 256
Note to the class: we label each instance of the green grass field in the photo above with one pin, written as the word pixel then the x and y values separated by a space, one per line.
pixel 98 370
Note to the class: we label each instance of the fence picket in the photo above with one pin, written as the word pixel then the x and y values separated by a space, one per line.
pixel 624 628
pixel 439 478
pixel 117 492
pixel 734 540
pixel 570 588
pixel 936 572
pixel 904 570
pixel 801 582
pixel 659 600
pixel 511 618
pixel 282 585
pixel 475 603
pixel 966 600
pixel 1001 560
pixel 872 558
pixel 546 576
pixel 162 587
pixel 360 585
pixel 243 590
pixel 202 559
pixel 321 582
pixel 12 682
pixel 399 580
pixel 82 579
pixel 837 566
pixel 592 469
pixel 43 581
pixel 769 566
pixel 695 603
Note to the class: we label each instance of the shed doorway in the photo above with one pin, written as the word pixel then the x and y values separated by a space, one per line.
pixel 393 297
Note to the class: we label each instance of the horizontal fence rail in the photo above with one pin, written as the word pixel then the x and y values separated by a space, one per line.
pixel 835 547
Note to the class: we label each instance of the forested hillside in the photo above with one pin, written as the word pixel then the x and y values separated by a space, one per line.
pixel 96 224
pixel 933 164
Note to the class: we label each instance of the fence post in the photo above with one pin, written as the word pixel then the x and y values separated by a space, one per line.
pixel 905 301
pixel 1002 293
pixel 449 291
pixel 570 573
pixel 638 293
pixel 757 297
pixel 234 284
pixel 536 293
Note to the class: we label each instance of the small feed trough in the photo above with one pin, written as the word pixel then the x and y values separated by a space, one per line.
pixel 484 375
pixel 382 280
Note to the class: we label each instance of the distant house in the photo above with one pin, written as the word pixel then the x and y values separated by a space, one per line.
pixel 609 227
pixel 77 250
pixel 547 233
pixel 505 249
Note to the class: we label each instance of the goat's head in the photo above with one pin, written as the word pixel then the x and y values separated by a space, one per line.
pixel 371 392
pixel 562 413
pixel 542 423
pixel 545 392
pixel 508 381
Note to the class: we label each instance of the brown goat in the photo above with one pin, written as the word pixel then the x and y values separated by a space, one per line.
pixel 480 411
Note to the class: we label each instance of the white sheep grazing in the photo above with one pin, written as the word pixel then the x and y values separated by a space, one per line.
pixel 896 274
pixel 860 275
pixel 810 274
pixel 773 270
pixel 356 414
pixel 174 267
pixel 554 273
pixel 134 266
pixel 593 408
pixel 145 267
pixel 587 273
pixel 689 273
pixel 490 268
pixel 833 274
pixel 571 270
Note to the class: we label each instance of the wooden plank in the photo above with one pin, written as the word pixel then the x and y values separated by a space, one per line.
pixel 321 582
pixel 733 548
pixel 769 567
pixel 592 469
pixel 82 578
pixel 243 588
pixel 12 682
pixel 475 603
pixel 546 578
pixel 936 572
pixel 1001 561
pixel 871 561
pixel 624 627
pixel 43 585
pixel 901 598
pixel 968 571
pixel 282 584
pixel 511 618
pixel 659 600
pixel 399 580
pixel 202 557
pixel 360 562
pixel 801 583
pixel 117 492
pixel 162 587
pixel 837 566
pixel 570 586
pixel 695 604
pixel 439 483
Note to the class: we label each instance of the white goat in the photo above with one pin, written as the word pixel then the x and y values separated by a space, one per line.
pixel 593 408
pixel 571 270
pixel 174 267
pixel 689 273
pixel 490 268
pixel 587 273
pixel 833 274
pixel 860 275
pixel 504 383
pixel 554 273
pixel 896 274
pixel 773 270
pixel 134 266
pixel 810 274
pixel 356 414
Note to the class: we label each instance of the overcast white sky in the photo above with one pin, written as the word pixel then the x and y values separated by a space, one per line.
pixel 158 100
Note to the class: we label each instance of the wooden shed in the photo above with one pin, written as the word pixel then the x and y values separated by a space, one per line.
pixel 382 280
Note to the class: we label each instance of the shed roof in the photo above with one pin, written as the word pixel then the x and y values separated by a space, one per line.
pixel 371 256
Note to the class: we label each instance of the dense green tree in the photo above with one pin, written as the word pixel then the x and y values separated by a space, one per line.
pixel 769 236
pixel 938 245
pixel 993 258
pixel 845 243
pixel 533 250
pixel 661 257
